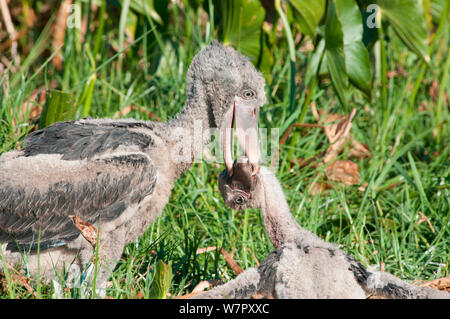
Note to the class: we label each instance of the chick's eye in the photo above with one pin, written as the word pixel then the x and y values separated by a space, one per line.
pixel 249 94
pixel 239 200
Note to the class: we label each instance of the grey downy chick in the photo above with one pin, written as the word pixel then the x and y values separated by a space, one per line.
pixel 302 265
pixel 116 174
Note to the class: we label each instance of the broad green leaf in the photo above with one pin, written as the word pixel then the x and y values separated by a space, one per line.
pixel 437 8
pixel 357 63
pixel 59 106
pixel 334 53
pixel 323 68
pixel 426 6
pixel 308 14
pixel 240 25
pixel 409 22
pixel 161 281
pixel 313 65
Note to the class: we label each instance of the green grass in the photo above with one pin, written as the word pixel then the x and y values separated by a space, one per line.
pixel 377 225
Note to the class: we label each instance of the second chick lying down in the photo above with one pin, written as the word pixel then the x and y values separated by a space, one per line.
pixel 302 265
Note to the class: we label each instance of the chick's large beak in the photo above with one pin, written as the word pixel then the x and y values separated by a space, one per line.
pixel 245 117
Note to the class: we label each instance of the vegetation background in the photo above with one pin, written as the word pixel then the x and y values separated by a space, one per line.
pixel 381 190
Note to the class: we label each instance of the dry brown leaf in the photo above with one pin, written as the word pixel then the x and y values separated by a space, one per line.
pixel 332 130
pixel 314 111
pixel 231 262
pixel 254 257
pixel 424 218
pixel 338 134
pixel 345 172
pixel 359 150
pixel 340 130
pixel 205 249
pixel 87 230
pixel 374 297
pixel 18 278
pixel 23 281
pixel 440 284
pixel 337 129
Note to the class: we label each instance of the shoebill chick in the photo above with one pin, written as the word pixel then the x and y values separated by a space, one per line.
pixel 117 174
pixel 302 265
